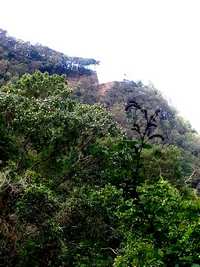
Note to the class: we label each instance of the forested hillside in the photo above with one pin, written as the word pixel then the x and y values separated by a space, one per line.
pixel 115 95
pixel 92 175
pixel 18 57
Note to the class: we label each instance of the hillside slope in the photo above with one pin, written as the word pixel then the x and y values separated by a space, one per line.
pixel 18 57
pixel 115 95
pixel 78 190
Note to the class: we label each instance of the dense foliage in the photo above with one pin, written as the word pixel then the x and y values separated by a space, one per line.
pixel 76 191
pixel 114 97
pixel 175 130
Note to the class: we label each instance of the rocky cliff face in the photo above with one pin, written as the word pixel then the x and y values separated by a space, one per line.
pixel 83 80
pixel 104 88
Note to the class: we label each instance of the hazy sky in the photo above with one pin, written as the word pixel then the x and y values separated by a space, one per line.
pixel 152 40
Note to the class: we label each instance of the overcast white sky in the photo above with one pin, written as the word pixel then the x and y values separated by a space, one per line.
pixel 152 40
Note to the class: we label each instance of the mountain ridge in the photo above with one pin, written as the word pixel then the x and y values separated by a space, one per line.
pixel 18 57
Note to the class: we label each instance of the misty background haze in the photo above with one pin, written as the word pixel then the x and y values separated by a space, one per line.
pixel 155 40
